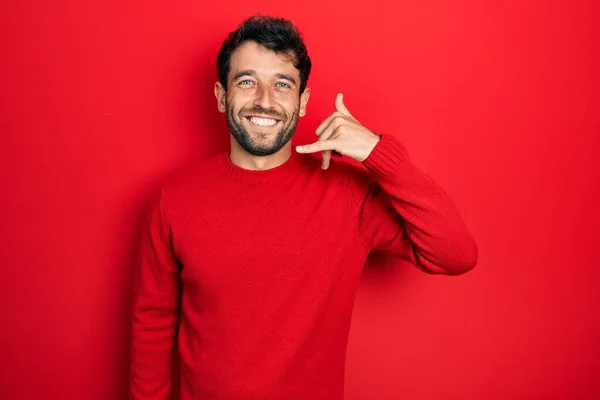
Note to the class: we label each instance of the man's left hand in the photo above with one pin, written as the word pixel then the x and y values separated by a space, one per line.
pixel 342 133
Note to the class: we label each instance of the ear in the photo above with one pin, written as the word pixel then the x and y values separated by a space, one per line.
pixel 303 101
pixel 221 96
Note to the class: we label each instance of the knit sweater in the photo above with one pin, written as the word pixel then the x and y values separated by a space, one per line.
pixel 253 274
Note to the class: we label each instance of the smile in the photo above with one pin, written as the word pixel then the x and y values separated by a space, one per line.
pixel 261 121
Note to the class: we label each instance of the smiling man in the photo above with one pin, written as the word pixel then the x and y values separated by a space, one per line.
pixel 252 258
pixel 258 126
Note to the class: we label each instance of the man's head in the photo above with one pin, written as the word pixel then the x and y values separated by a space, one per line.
pixel 263 70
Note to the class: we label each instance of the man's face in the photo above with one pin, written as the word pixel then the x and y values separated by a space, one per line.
pixel 262 100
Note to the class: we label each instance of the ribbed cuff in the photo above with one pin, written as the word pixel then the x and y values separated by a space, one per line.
pixel 385 158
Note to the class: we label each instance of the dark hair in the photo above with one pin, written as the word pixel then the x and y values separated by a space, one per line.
pixel 276 34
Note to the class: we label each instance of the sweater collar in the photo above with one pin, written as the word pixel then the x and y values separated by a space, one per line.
pixel 273 176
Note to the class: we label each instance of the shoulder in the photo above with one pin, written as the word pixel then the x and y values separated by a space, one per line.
pixel 352 175
pixel 339 167
pixel 338 172
pixel 198 176
pixel 359 182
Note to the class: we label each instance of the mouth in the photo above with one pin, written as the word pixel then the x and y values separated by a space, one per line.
pixel 262 122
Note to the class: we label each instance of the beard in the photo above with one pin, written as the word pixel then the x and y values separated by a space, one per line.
pixel 258 143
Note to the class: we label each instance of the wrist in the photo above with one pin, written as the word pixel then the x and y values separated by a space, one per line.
pixel 387 156
pixel 373 142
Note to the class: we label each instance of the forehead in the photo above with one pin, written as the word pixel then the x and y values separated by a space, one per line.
pixel 252 56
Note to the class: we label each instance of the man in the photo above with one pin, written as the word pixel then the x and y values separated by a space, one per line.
pixel 252 258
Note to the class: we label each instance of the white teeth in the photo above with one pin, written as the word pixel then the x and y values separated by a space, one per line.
pixel 263 121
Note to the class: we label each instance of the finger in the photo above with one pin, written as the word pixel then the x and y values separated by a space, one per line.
pixel 317 146
pixel 326 155
pixel 325 159
pixel 341 107
pixel 341 111
pixel 323 125
pixel 327 134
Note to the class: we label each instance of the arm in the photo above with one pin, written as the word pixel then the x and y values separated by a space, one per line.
pixel 404 213
pixel 155 310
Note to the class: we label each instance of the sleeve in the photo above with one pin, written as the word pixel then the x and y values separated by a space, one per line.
pixel 155 310
pixel 405 214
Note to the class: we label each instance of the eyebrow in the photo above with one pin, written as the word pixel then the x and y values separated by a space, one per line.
pixel 287 78
pixel 251 72
pixel 245 72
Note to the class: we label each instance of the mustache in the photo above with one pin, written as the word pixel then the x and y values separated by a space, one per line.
pixel 264 111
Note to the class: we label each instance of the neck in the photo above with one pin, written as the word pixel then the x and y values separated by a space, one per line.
pixel 245 160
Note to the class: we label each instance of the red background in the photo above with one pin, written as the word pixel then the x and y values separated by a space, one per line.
pixel 498 100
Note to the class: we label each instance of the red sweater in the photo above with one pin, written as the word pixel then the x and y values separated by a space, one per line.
pixel 254 273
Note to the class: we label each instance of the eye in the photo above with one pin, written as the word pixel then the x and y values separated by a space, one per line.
pixel 283 85
pixel 245 82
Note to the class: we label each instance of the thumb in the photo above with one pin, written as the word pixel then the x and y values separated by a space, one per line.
pixel 340 106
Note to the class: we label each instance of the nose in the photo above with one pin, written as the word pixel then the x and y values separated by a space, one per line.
pixel 264 97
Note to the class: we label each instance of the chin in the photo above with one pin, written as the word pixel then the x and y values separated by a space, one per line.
pixel 265 150
pixel 261 152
